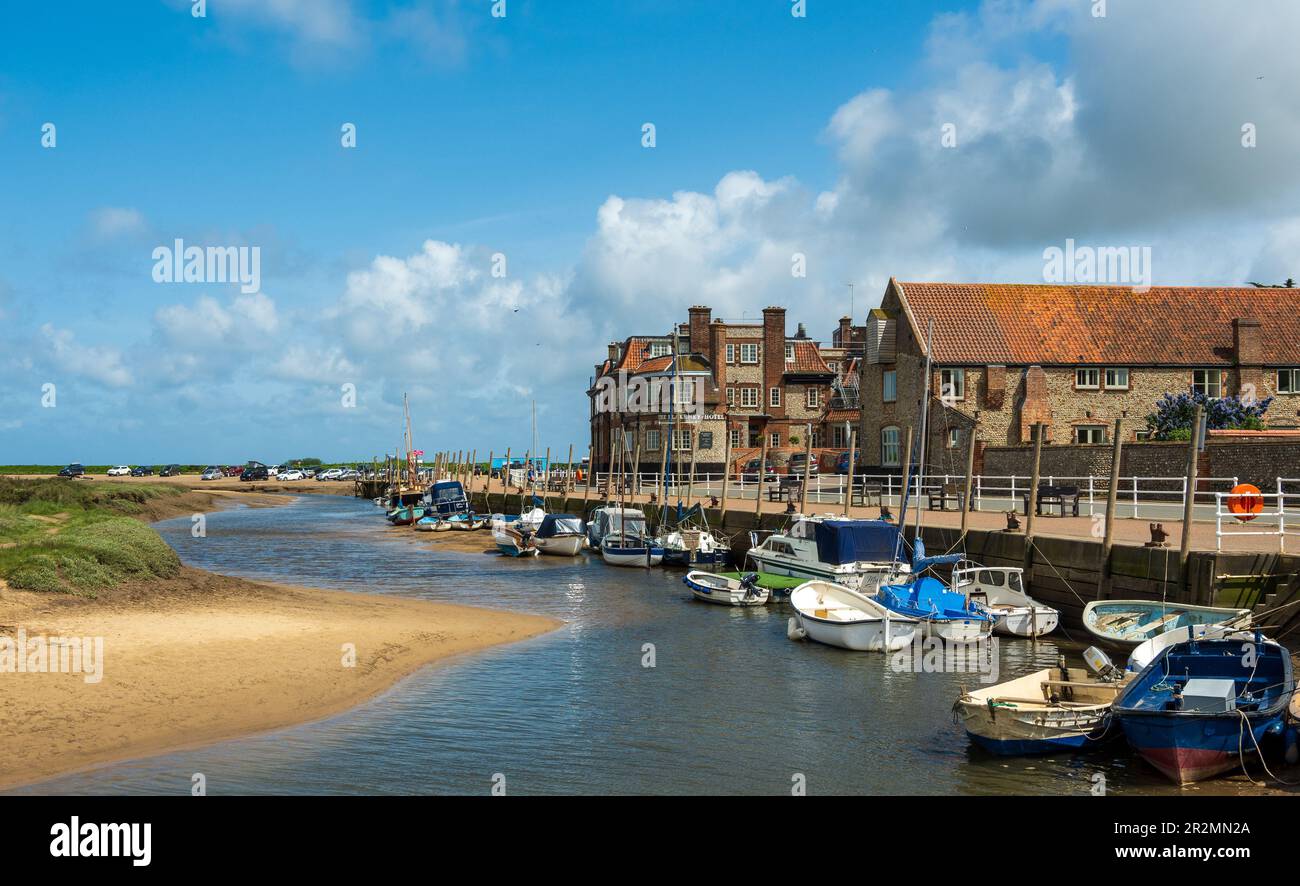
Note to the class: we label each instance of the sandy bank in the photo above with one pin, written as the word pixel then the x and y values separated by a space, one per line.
pixel 203 657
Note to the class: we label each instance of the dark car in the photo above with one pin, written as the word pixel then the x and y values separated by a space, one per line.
pixel 750 472
pixel 142 471
pixel 796 467
pixel 255 470
pixel 842 463
pixel 72 470
pixel 170 471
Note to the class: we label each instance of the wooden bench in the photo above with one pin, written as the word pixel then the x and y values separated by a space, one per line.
pixel 785 489
pixel 1049 496
pixel 868 494
pixel 950 492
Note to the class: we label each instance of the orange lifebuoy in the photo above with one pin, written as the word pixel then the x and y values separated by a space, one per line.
pixel 1245 502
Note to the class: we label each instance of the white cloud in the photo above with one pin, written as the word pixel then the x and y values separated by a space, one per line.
pixel 115 221
pixel 100 364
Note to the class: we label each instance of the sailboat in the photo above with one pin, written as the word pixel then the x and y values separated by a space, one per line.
pixel 945 613
pixel 626 546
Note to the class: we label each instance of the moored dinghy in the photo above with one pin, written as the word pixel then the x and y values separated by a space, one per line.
pixel 839 616
pixel 1200 706
pixel 1002 591
pixel 713 588
pixel 1052 709
pixel 561 535
pixel 1130 623
pixel 945 613
pixel 625 549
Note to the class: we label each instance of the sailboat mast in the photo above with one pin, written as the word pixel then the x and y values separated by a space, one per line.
pixel 925 421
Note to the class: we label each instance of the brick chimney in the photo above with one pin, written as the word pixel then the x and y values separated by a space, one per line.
pixel 1037 407
pixel 718 355
pixel 845 332
pixel 613 352
pixel 1246 345
pixel 773 357
pixel 699 328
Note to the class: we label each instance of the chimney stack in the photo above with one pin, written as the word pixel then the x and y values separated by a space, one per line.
pixel 1246 345
pixel 699 326
pixel 613 352
pixel 845 332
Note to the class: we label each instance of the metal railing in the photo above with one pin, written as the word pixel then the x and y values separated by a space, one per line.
pixel 1245 521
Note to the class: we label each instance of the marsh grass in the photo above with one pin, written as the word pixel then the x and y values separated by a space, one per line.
pixel 79 537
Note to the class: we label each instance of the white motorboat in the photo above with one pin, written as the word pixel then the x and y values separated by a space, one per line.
pixel 609 519
pixel 630 550
pixel 840 616
pixel 857 554
pixel 1002 591
pixel 713 588
pixel 561 535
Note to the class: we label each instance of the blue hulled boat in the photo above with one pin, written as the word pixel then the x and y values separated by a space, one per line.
pixel 946 613
pixel 1201 705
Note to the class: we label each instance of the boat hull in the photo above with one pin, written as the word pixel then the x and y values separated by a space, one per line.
pixel 863 581
pixel 1187 752
pixel 1023 621
pixel 712 588
pixel 1020 717
pixel 632 556
pixel 1129 623
pixel 561 546
pixel 838 616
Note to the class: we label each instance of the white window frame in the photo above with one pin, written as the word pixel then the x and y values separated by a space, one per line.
pixel 736 435
pixel 749 397
pixel 953 438
pixel 789 352
pixel 731 353
pixel 731 395
pixel 749 353
pixel 1115 386
pixel 839 436
pixel 1098 431
pixel 1292 384
pixel 1087 378
pixel 682 439
pixel 774 397
pixel 812 397
pixel 891 443
pixel 774 439
pixel 660 349
pixel 652 440
pixel 1205 386
pixel 889 386
pixel 954 378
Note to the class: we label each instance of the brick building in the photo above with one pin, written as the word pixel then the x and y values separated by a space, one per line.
pixel 1074 358
pixel 756 383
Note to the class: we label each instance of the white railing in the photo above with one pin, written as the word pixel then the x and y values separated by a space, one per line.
pixel 1266 522
pixel 1137 497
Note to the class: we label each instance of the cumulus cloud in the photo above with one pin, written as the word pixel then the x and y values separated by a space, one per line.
pixel 115 221
pixel 98 364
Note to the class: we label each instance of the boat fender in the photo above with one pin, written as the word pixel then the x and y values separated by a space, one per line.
pixel 793 631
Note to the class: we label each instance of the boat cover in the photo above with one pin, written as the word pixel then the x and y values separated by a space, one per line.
pixel 449 497
pixel 853 541
pixel 560 524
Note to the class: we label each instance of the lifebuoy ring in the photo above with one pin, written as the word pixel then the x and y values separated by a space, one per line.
pixel 1245 502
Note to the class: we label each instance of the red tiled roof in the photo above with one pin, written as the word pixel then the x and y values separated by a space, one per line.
pixel 634 352
pixel 807 359
pixel 837 415
pixel 656 364
pixel 1166 325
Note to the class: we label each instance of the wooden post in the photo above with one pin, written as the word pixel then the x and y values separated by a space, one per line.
pixel 505 478
pixel 663 472
pixel 968 500
pixel 546 478
pixel 568 476
pixel 586 487
pixel 636 467
pixel 726 474
pixel 853 452
pixel 1032 507
pixel 1112 494
pixel 487 485
pixel 690 482
pixel 807 469
pixel 1184 550
pixel 762 478
pixel 609 476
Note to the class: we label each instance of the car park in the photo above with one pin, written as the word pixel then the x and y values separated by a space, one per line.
pixel 120 471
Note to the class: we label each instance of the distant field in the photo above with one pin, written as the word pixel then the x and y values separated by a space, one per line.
pixel 103 469
pixel 79 537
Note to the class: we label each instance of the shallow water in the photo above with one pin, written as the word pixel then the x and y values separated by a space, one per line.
pixel 731 705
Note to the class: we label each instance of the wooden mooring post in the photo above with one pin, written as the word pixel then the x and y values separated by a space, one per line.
pixel 1032 507
pixel 1112 496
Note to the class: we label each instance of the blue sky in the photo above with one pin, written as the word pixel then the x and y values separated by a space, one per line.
pixel 522 136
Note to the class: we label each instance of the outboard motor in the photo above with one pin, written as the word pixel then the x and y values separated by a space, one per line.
pixel 1100 664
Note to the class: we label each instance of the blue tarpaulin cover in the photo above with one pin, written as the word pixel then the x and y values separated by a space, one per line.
pixel 852 541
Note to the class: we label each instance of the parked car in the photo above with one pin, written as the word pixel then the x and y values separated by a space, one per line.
pixel 796 466
pixel 233 471
pixel 330 474
pixel 273 470
pixel 842 463
pixel 750 471
pixel 255 470
pixel 120 471
pixel 212 472
pixel 72 470
pixel 291 474
pixel 350 475
pixel 170 471
pixel 142 471
pixel 309 472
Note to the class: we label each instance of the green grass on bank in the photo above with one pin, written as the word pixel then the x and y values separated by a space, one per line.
pixel 67 537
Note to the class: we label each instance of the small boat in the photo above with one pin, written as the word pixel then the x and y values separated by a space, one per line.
pixel 1050 710
pixel 944 612
pixel 431 523
pixel 514 539
pixel 1128 623
pixel 695 547
pixel 779 585
pixel 1146 652
pixel 609 519
pixel 713 588
pixel 465 522
pixel 405 515
pixel 1001 590
pixel 856 554
pixel 840 616
pixel 627 549
pixel 1200 706
pixel 561 535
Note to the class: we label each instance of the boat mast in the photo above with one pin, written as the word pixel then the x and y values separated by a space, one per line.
pixel 925 421
pixel 672 409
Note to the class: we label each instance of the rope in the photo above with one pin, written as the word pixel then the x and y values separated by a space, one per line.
pixel 1241 730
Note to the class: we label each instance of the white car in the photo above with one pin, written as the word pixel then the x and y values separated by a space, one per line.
pixel 330 474
pixel 212 474
pixel 120 471
pixel 293 474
